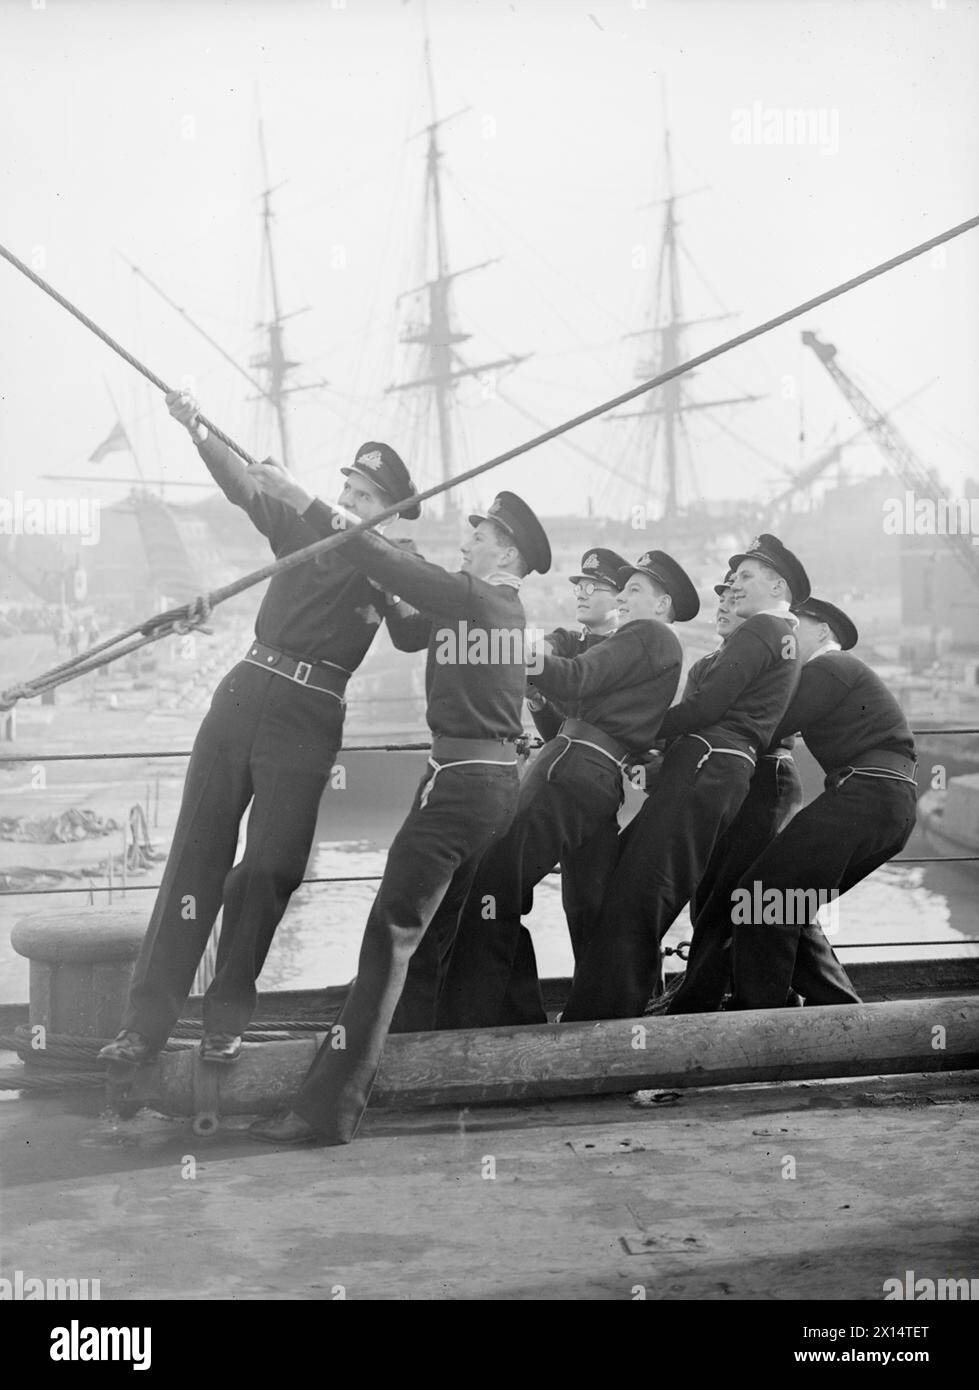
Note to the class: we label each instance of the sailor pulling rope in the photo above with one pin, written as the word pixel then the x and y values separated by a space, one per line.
pixel 196 613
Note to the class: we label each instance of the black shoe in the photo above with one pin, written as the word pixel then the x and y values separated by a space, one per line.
pixel 224 1048
pixel 131 1047
pixel 284 1129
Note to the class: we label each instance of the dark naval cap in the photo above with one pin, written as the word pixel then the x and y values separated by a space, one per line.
pixel 770 551
pixel 721 589
pixel 512 513
pixel 603 565
pixel 844 629
pixel 670 576
pixel 379 464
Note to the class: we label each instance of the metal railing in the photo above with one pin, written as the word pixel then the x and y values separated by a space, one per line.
pixel 124 887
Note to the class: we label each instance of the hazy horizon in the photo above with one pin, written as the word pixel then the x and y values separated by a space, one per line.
pixel 133 129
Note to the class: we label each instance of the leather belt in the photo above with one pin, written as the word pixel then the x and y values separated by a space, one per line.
pixel 446 749
pixel 877 762
pixel 317 675
pixel 462 752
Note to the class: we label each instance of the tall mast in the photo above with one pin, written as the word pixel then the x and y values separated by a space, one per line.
pixel 441 365
pixel 438 290
pixel 275 364
pixel 671 332
pixel 666 408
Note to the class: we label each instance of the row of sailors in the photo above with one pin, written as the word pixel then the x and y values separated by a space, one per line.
pixel 444 945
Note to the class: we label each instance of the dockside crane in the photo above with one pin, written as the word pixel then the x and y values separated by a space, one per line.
pixel 914 474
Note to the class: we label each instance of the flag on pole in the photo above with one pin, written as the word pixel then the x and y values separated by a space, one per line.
pixel 116 440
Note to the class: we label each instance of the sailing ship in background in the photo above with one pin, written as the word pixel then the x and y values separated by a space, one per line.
pixel 917 601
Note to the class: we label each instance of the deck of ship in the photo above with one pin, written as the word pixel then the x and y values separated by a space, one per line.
pixel 780 1191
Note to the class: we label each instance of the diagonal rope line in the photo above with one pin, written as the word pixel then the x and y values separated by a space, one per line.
pixel 191 613
pixel 151 376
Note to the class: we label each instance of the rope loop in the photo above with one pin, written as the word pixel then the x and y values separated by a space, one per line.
pixel 180 620
pixel 9 698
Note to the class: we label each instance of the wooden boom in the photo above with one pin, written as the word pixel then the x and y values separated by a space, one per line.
pixel 507 1064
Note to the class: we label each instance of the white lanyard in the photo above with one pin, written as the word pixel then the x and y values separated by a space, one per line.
pixel 711 749
pixel 462 762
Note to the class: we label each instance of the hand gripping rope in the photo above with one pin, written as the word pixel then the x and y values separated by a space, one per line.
pixel 195 614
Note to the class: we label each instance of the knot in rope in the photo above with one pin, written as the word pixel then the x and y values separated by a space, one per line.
pixel 9 698
pixel 180 620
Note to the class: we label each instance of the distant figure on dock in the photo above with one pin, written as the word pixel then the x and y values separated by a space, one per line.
pixel 269 740
pixel 616 694
pixel 715 735
pixel 857 732
pixel 774 796
pixel 472 623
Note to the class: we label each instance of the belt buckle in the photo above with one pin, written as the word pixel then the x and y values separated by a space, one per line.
pixel 302 672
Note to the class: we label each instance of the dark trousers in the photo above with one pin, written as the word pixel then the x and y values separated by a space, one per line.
pixel 835 842
pixel 585 876
pixel 774 797
pixel 569 796
pixel 429 869
pixel 664 852
pixel 271 742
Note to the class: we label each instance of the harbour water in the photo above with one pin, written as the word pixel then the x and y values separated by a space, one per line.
pixel 318 940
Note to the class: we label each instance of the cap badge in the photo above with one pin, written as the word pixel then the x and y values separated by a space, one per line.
pixel 755 544
pixel 645 560
pixel 591 562
pixel 371 460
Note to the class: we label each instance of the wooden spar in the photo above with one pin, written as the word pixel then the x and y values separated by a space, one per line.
pixel 507 1064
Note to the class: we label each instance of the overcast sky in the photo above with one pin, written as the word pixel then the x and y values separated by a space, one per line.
pixel 131 126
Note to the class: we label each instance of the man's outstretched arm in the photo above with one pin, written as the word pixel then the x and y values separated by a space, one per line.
pixel 429 588
pixel 271 516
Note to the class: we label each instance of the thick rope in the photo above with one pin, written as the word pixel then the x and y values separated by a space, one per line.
pixel 59 1081
pixel 175 622
pixel 298 557
pixel 143 370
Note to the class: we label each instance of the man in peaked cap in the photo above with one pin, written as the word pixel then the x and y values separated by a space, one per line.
pixel 269 739
pixel 472 624
pixel 774 796
pixel 383 468
pixel 583 874
pixel 614 695
pixel 714 737
pixel 858 734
